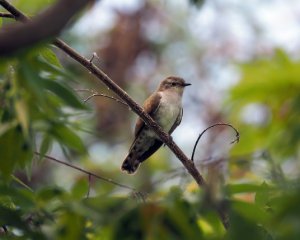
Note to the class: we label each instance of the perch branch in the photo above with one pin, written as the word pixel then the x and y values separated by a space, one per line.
pixel 237 136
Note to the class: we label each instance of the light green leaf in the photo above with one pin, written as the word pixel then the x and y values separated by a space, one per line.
pixel 22 115
pixel 80 189
pixel 48 55
pixel 247 187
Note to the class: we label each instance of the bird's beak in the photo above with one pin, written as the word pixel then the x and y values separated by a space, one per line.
pixel 186 84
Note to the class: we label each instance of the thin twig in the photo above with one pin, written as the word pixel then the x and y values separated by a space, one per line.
pixel 6 15
pixel 109 180
pixel 95 56
pixel 106 96
pixel 95 94
pixel 237 136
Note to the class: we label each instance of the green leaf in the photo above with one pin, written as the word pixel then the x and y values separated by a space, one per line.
pixel 45 145
pixel 43 64
pixel 45 195
pixel 64 93
pixel 22 115
pixel 48 55
pixel 243 228
pixel 251 211
pixel 15 151
pixel 4 127
pixel 72 226
pixel 80 189
pixel 69 138
pixel 264 196
pixel 29 79
pixel 247 187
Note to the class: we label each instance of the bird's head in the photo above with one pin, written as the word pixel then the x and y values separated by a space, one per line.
pixel 176 84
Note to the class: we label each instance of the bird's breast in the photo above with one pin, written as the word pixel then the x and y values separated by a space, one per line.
pixel 168 111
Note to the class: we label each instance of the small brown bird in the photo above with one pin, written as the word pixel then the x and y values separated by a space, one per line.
pixel 165 107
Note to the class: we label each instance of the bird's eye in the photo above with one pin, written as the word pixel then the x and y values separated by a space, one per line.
pixel 173 84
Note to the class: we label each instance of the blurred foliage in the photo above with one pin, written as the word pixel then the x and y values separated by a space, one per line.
pixel 38 108
pixel 271 88
pixel 34 102
pixel 32 7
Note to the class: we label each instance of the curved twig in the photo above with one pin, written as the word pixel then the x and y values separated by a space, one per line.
pixel 106 96
pixel 95 94
pixel 237 136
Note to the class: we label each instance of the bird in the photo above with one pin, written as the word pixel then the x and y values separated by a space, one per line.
pixel 165 107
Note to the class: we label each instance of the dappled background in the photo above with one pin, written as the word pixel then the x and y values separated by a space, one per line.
pixel 242 59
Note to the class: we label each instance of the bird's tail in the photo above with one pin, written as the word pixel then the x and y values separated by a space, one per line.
pixel 130 164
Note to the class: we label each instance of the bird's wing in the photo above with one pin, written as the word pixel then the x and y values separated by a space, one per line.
pixel 150 106
pixel 156 145
pixel 177 121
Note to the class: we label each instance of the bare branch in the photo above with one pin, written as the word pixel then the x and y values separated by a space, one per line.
pixel 44 26
pixel 109 180
pixel 6 15
pixel 237 136
pixel 95 94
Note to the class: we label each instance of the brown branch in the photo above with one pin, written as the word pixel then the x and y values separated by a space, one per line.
pixel 90 174
pixel 237 136
pixel 166 138
pixel 44 26
pixel 6 15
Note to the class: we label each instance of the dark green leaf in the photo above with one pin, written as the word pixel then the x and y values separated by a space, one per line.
pixel 45 145
pixel 64 93
pixel 15 150
pixel 69 138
